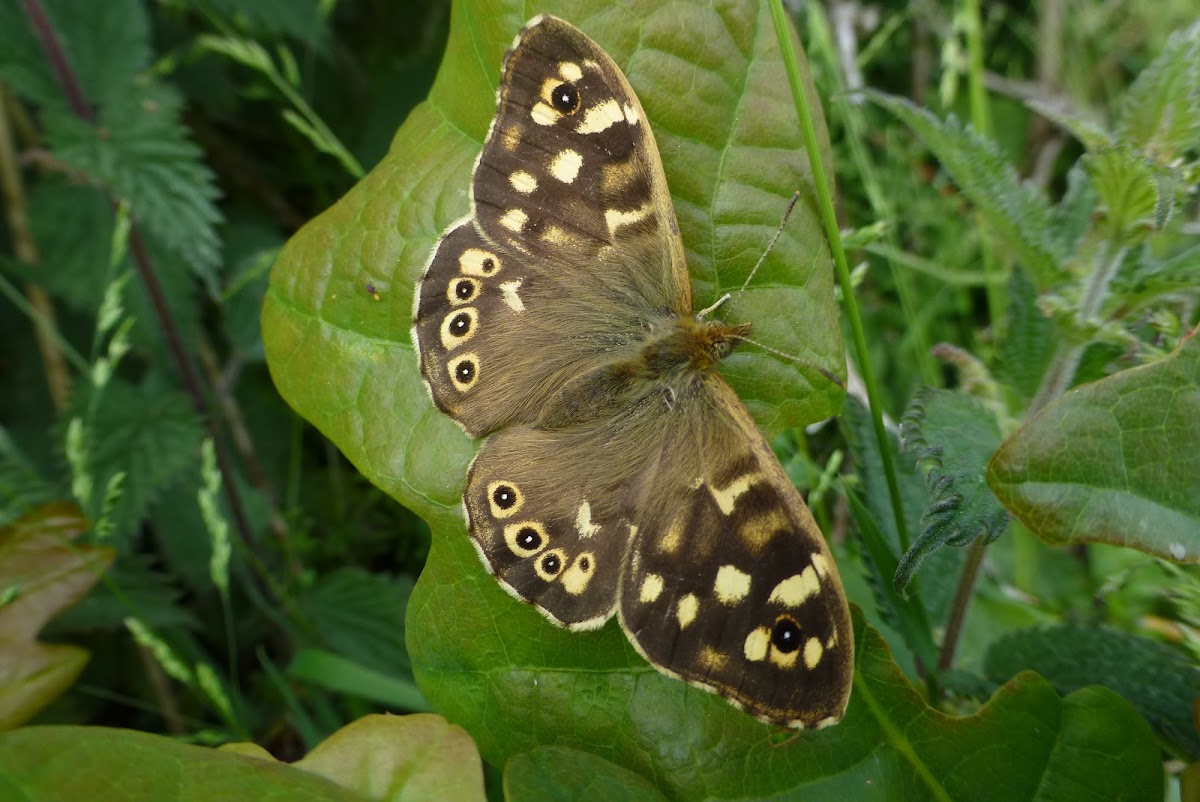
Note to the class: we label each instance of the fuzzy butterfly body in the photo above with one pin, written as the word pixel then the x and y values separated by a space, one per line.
pixel 621 474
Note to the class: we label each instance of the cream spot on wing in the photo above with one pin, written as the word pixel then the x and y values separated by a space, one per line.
pixel 686 611
pixel 819 563
pixel 732 585
pixel 631 115
pixel 511 299
pixel 652 588
pixel 758 531
pixel 462 290
pixel 478 262
pixel 827 722
pixel 514 220
pixel 601 117
pixel 565 166
pixel 583 521
pixel 758 643
pixel 570 71
pixel 544 114
pixel 793 591
pixel 523 182
pixel 615 218
pixel 812 653
pixel 576 578
pixel 556 236
pixel 669 543
pixel 728 497
pixel 711 659
pixel 511 137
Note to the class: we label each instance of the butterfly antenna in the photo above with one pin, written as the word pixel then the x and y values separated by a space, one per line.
pixel 706 311
pixel 771 245
pixel 790 357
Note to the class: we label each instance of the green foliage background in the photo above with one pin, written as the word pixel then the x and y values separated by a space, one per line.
pixel 235 419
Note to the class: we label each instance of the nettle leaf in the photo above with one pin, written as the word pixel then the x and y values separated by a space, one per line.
pixel 1114 461
pixel 871 506
pixel 953 436
pixel 148 433
pixel 1135 194
pixel 133 588
pixel 360 615
pixel 1161 682
pixel 1160 113
pixel 142 153
pixel 106 45
pixel 42 572
pixel 302 20
pixel 1026 343
pixel 1017 211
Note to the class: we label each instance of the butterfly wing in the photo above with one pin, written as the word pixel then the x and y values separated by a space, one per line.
pixel 572 243
pixel 729 584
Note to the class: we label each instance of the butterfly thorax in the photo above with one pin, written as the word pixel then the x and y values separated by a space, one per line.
pixel 688 343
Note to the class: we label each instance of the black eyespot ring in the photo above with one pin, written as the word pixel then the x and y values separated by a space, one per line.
pixel 529 538
pixel 565 98
pixel 465 371
pixel 488 266
pixel 504 497
pixel 551 564
pixel 464 289
pixel 460 324
pixel 785 635
pixel 585 564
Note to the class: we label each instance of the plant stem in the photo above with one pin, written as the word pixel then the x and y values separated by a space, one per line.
pixel 1066 359
pixel 832 233
pixel 961 603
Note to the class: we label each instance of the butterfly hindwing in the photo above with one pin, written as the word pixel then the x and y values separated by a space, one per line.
pixel 730 584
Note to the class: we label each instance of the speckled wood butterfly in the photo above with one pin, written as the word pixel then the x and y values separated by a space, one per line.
pixel 621 473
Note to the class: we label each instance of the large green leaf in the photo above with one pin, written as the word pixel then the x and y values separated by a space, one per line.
pixel 1114 461
pixel 717 97
pixel 382 758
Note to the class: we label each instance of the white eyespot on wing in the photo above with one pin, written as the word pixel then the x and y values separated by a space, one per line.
pixel 631 115
pixel 812 653
pixel 601 117
pixel 652 588
pixel 686 610
pixel 550 565
pixel 569 71
pixel 796 589
pixel 577 576
pixel 523 182
pixel 731 585
pixel 758 643
pixel 544 114
pixel 726 498
pixel 566 165
pixel 464 371
pixel 615 218
pixel 583 521
pixel 505 499
pixel 458 327
pixel 511 299
pixel 514 220
pixel 526 539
